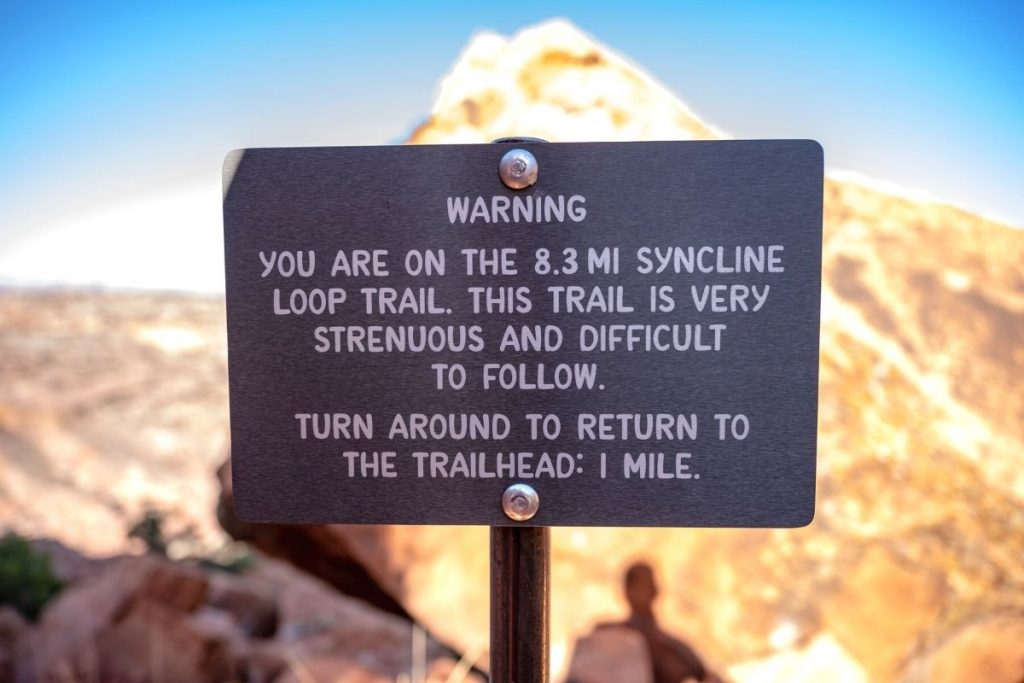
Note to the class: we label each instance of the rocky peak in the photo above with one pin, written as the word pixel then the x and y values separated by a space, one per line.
pixel 554 82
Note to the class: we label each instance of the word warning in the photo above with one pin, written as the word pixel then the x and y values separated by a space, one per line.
pixel 635 335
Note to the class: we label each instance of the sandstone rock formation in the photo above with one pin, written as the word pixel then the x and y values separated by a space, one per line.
pixel 12 627
pixel 137 619
pixel 110 402
pixel 991 650
pixel 130 620
pixel 554 83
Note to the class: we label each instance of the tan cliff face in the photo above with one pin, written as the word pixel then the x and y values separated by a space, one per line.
pixel 918 542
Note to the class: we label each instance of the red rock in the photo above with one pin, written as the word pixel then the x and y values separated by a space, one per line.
pixel 127 624
pixel 252 610
pixel 861 617
pixel 319 550
pixel 987 651
pixel 336 637
pixel 338 669
pixel 325 669
pixel 154 643
pixel 12 625
pixel 67 564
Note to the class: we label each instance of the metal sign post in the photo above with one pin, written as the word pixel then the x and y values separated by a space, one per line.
pixel 520 603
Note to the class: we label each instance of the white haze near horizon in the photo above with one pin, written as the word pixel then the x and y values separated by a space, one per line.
pixel 171 240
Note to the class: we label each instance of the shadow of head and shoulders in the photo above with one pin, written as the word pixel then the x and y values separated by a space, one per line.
pixel 671 659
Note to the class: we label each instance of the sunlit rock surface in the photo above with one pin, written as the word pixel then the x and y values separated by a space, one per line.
pixel 822 660
pixel 990 650
pixel 554 83
pixel 111 404
pixel 107 401
pixel 141 619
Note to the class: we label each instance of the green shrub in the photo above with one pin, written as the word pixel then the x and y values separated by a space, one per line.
pixel 150 529
pixel 27 581
pixel 233 557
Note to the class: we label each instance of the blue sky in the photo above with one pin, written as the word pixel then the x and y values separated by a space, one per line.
pixel 104 104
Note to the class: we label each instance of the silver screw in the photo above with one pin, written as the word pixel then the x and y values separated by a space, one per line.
pixel 518 169
pixel 520 502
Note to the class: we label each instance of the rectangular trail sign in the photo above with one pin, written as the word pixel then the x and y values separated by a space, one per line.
pixel 635 335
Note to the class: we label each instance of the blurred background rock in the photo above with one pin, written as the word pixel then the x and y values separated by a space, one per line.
pixel 113 432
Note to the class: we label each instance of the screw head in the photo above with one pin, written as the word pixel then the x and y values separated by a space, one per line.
pixel 520 502
pixel 518 169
